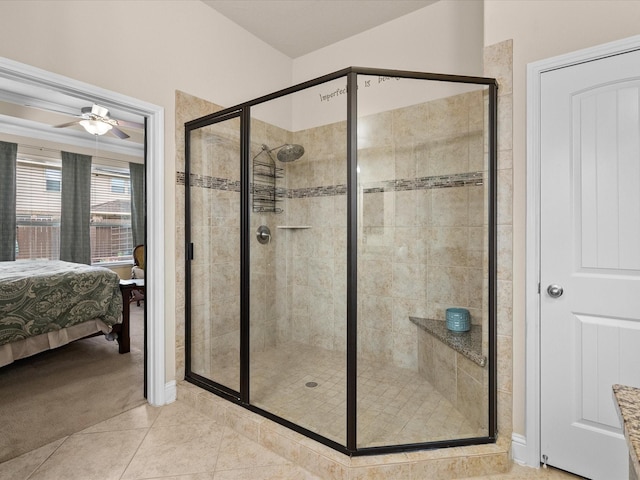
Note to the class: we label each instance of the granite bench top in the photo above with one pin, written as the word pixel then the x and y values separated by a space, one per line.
pixel 628 400
pixel 468 343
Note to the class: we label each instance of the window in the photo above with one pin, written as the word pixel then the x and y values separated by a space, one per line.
pixel 118 185
pixel 111 239
pixel 38 211
pixel 54 179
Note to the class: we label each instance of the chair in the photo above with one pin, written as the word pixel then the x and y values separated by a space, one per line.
pixel 137 272
pixel 138 262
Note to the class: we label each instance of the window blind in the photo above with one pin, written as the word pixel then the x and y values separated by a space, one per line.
pixel 111 239
pixel 38 212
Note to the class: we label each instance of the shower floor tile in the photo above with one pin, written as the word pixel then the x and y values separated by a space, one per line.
pixel 395 405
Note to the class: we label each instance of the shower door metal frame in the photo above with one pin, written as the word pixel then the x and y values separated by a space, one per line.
pixel 242 398
pixel 191 376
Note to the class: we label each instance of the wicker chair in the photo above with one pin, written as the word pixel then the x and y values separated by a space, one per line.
pixel 138 262
pixel 137 271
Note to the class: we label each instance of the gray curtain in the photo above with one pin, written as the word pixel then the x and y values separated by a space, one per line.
pixel 136 176
pixel 75 244
pixel 8 154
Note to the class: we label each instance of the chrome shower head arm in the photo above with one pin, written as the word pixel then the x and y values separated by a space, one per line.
pixel 287 152
pixel 264 149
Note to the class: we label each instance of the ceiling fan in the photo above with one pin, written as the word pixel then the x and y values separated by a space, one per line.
pixel 96 121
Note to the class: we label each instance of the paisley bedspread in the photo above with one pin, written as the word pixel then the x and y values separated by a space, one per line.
pixel 38 297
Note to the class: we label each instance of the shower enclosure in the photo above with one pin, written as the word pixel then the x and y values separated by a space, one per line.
pixel 329 226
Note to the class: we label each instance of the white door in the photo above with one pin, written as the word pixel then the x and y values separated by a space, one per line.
pixel 590 261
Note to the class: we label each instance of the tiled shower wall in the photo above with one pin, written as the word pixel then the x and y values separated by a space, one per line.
pixel 268 266
pixel 421 247
pixel 215 234
pixel 498 63
pixel 316 257
pixel 422 211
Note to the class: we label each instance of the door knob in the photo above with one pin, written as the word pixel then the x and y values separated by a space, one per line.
pixel 555 291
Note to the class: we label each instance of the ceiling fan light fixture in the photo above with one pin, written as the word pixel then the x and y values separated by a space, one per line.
pixel 95 127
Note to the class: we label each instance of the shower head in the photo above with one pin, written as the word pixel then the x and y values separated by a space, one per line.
pixel 289 152
pixel 286 153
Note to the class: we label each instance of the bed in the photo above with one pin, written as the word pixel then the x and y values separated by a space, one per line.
pixel 46 304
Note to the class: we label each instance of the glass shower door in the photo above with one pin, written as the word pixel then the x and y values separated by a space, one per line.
pixel 298 272
pixel 423 186
pixel 213 272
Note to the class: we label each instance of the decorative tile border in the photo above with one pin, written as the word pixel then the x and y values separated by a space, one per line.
pixel 206 181
pixel 325 191
pixel 427 183
pixel 422 183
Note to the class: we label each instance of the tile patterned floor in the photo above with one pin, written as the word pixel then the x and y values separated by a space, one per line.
pixel 170 442
pixel 389 412
pixel 174 442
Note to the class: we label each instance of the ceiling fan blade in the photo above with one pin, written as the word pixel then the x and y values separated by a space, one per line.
pixel 63 125
pixel 125 123
pixel 119 133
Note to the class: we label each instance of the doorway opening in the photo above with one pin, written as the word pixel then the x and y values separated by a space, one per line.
pixel 158 393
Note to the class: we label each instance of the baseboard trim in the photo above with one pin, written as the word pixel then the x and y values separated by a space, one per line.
pixel 519 452
pixel 170 392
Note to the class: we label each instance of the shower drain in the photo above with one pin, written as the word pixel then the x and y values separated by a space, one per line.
pixel 311 384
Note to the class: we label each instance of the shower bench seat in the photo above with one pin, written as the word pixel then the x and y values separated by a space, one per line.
pixel 469 344
pixel 454 364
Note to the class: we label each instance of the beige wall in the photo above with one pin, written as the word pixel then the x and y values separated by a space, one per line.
pixel 541 29
pixel 445 37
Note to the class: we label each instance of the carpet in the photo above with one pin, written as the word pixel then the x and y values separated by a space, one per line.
pixel 56 393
